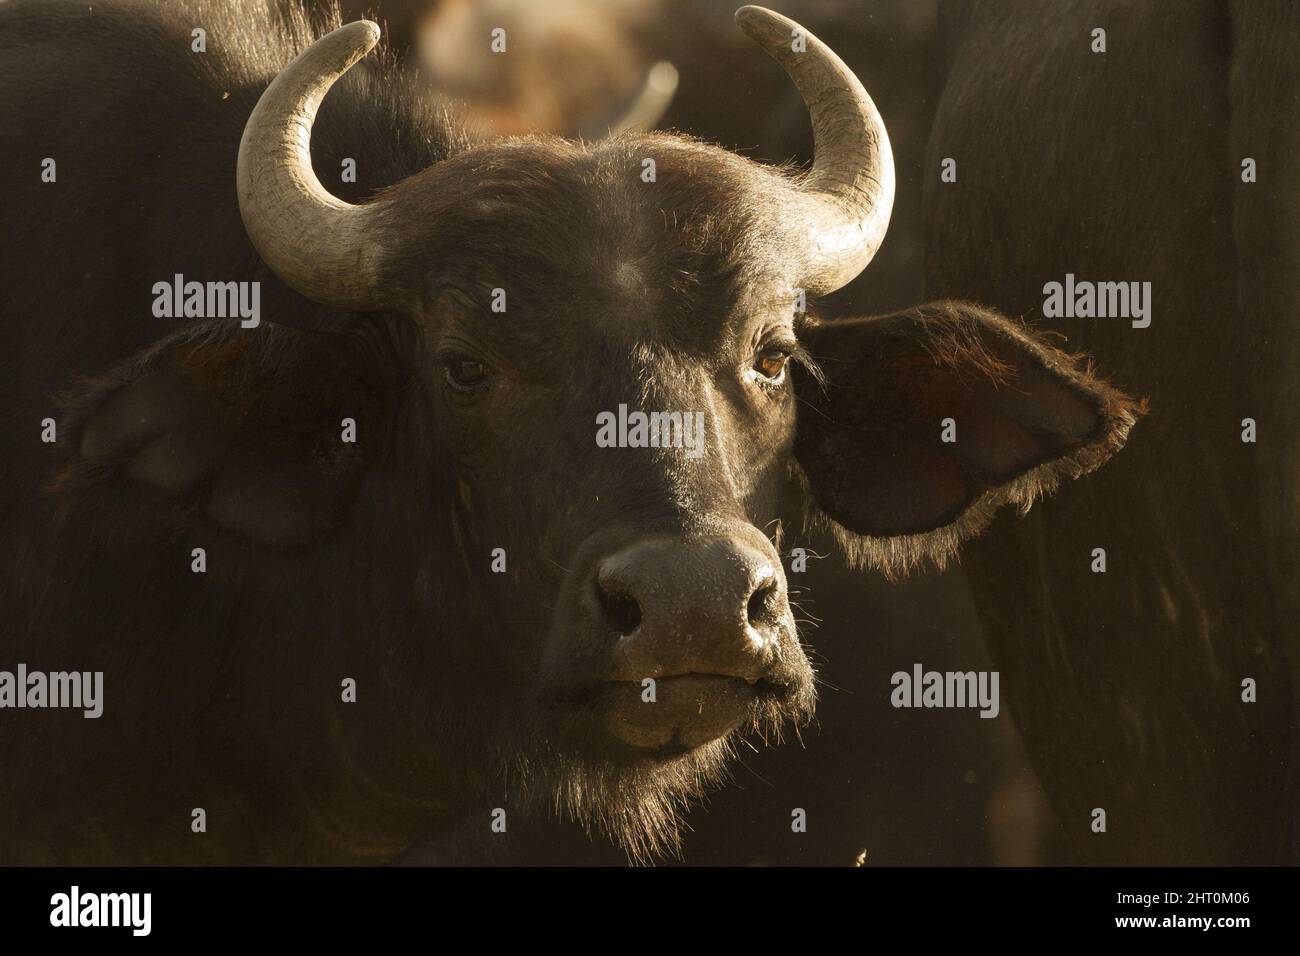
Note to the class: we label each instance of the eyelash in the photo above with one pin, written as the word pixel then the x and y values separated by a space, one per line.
pixel 450 361
pixel 789 351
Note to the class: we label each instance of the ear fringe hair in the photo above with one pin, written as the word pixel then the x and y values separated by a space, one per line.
pixel 898 556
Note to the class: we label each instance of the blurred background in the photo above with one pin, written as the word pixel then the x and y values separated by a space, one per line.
pixel 905 786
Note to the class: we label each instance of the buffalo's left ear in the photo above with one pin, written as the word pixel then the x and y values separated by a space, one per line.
pixel 929 419
pixel 240 430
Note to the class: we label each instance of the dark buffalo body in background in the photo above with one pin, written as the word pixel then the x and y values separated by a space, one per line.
pixel 146 134
pixel 1122 166
pixel 369 562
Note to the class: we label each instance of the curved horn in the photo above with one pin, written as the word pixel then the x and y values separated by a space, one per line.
pixel 328 250
pixel 847 197
pixel 651 102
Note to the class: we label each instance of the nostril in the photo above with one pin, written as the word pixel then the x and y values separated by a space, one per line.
pixel 763 609
pixel 620 609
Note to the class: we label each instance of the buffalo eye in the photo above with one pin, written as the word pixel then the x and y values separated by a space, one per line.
pixel 770 362
pixel 464 375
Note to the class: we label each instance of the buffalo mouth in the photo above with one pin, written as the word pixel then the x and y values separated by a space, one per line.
pixel 684 712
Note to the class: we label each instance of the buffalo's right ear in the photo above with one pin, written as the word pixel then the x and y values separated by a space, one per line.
pixel 239 429
pixel 924 422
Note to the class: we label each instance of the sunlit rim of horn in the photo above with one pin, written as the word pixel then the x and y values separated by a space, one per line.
pixel 843 205
pixel 328 250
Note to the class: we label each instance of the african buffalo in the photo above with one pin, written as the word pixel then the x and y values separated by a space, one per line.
pixel 1122 156
pixel 360 570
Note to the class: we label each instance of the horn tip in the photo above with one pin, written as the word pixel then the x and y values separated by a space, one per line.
pixel 761 24
pixel 362 32
pixel 664 77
